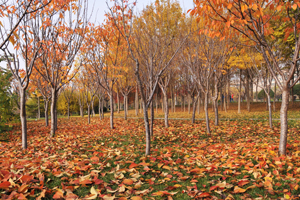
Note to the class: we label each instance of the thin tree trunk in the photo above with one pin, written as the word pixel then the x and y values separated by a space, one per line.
pixel 125 107
pixel 166 110
pixel 147 130
pixel 53 106
pixel 256 86
pixel 81 111
pixel 247 91
pixel 68 109
pixel 240 89
pixel 270 110
pixel 189 103
pixel 151 118
pixel 111 110
pixel 228 91
pixel 274 103
pixel 89 114
pixel 283 121
pixel 199 105
pixel 93 110
pixel 156 103
pixel 102 107
pixel 136 101
pixel 194 108
pixel 23 117
pixel 100 116
pixel 118 101
pixel 39 109
pixel 46 104
pixel 206 111
pixel 216 112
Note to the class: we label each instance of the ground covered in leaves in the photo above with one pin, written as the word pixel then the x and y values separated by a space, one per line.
pixel 237 161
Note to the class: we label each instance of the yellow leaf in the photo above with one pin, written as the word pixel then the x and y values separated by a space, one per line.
pixel 93 191
pixel 279 8
pixel 294 6
pixel 238 190
pixel 254 6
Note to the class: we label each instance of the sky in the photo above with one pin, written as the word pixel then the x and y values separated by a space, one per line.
pixel 100 8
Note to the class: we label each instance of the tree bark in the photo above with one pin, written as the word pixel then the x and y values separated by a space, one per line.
pixel 274 103
pixel 247 91
pixel 118 100
pixel 92 106
pixel 53 112
pixel 240 88
pixel 23 117
pixel 100 114
pixel 39 109
pixel 136 101
pixel 206 112
pixel 125 106
pixel 270 110
pixel 111 110
pixel 194 108
pixel 46 105
pixel 283 121
pixel 228 91
pixel 68 109
pixel 189 102
pixel 89 114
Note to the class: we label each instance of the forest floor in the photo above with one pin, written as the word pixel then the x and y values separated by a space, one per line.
pixel 238 160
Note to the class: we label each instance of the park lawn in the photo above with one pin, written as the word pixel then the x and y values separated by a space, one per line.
pixel 237 161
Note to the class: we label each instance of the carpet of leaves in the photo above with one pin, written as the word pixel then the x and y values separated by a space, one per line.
pixel 89 161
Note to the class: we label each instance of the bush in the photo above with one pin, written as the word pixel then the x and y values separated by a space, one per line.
pixel 262 95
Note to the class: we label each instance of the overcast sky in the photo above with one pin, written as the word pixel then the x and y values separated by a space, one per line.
pixel 100 8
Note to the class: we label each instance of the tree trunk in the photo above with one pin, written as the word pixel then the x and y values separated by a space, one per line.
pixel 136 101
pixel 100 114
pixel 206 111
pixel 81 110
pixel 93 110
pixel 240 88
pixel 194 108
pixel 216 112
pixel 147 130
pixel 111 110
pixel 166 110
pixel 270 110
pixel 256 86
pixel 274 103
pixel 23 117
pixel 53 112
pixel 89 114
pixel 68 109
pixel 189 103
pixel 102 107
pixel 125 106
pixel 156 103
pixel 247 91
pixel 151 118
pixel 118 101
pixel 283 121
pixel 46 104
pixel 228 91
pixel 39 109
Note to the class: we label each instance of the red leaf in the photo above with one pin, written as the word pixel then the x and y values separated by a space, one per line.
pixel 4 185
pixel 204 194
pixel 26 178
pixel 133 165
pixel 213 188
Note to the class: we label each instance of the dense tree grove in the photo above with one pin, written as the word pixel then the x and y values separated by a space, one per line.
pixel 218 52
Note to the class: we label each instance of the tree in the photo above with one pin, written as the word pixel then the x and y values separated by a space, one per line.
pixel 253 20
pixel 144 28
pixel 27 47
pixel 61 40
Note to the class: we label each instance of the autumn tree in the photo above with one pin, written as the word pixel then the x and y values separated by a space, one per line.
pixel 61 38
pixel 149 65
pixel 253 19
